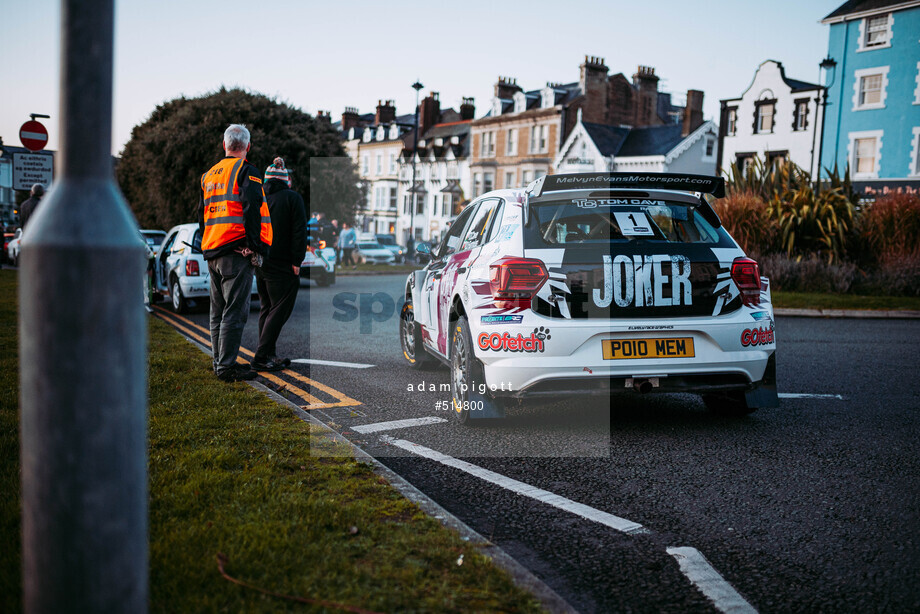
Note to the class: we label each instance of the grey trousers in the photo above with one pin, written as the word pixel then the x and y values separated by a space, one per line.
pixel 231 288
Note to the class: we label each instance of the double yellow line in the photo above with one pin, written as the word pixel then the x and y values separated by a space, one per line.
pixel 203 335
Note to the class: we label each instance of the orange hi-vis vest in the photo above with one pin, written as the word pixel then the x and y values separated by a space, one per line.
pixel 223 207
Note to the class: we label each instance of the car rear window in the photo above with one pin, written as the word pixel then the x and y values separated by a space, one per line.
pixel 606 220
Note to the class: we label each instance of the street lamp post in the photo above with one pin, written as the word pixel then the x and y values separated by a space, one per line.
pixel 411 243
pixel 826 64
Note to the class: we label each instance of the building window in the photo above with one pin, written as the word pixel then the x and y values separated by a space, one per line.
pixel 763 116
pixel 800 115
pixel 710 146
pixel 732 129
pixel 870 85
pixel 379 166
pixel 509 179
pixel 865 153
pixel 477 184
pixel 419 204
pixel 393 199
pixel 538 139
pixel 511 143
pixel 406 204
pixel 875 32
pixel 487 145
pixel 915 153
pixel 446 205
pixel 365 165
pixel 745 163
pixel 525 177
pixel 392 164
pixel 488 182
pixel 538 174
pixel 776 158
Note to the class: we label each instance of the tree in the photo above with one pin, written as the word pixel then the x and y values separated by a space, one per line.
pixel 161 166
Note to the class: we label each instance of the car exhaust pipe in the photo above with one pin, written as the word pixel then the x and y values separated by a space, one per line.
pixel 642 385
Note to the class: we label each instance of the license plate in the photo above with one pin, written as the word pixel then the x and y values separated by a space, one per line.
pixel 678 347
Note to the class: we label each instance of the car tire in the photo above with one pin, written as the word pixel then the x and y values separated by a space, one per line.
pixel 729 404
pixel 179 304
pixel 410 338
pixel 466 372
pixel 322 280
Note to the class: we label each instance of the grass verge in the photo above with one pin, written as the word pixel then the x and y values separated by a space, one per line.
pixel 231 471
pixel 809 300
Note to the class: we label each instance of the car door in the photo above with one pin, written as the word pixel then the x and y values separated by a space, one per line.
pixel 161 272
pixel 433 333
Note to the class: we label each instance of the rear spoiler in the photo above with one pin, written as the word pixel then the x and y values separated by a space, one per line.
pixel 706 184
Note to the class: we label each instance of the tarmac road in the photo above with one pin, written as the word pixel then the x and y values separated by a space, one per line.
pixel 811 506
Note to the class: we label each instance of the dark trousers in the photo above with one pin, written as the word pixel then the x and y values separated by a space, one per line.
pixel 231 289
pixel 277 295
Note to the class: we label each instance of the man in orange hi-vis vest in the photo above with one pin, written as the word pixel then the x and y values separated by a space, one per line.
pixel 236 233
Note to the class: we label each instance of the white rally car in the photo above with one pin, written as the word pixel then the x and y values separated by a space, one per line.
pixel 593 284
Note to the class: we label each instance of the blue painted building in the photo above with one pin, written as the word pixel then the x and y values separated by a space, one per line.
pixel 873 96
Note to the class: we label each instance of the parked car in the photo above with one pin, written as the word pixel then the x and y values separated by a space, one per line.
pixel 371 252
pixel 180 273
pixel 12 247
pixel 593 284
pixel 389 242
pixel 153 239
pixel 319 261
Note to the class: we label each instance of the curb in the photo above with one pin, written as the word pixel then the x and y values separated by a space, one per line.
pixel 520 575
pixel 848 313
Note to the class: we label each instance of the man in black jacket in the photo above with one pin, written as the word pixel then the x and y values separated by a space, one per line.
pixel 279 277
pixel 27 208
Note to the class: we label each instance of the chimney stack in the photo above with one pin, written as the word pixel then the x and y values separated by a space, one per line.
pixel 506 87
pixel 429 112
pixel 467 108
pixel 350 119
pixel 324 116
pixel 646 83
pixel 386 112
pixel 693 112
pixel 593 83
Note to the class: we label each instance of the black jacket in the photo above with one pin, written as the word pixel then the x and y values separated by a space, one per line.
pixel 289 228
pixel 26 209
pixel 250 182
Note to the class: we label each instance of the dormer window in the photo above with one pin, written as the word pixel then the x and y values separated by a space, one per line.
pixel 381 133
pixel 394 132
pixel 367 136
pixel 422 143
pixel 547 98
pixel 496 106
pixel 351 134
pixel 520 102
pixel 439 142
pixel 455 140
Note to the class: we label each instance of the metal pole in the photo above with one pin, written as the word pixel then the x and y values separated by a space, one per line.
pixel 416 86
pixel 82 340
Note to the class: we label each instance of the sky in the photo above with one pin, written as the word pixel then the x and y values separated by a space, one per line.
pixel 337 53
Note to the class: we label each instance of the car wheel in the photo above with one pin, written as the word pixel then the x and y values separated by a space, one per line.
pixel 410 338
pixel 466 373
pixel 179 304
pixel 730 404
pixel 322 279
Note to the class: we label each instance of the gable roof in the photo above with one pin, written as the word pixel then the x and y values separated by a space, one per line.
pixel 858 8
pixel 651 141
pixel 607 139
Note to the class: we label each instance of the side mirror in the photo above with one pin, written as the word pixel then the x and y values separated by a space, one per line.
pixel 423 248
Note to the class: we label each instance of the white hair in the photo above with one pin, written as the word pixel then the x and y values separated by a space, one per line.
pixel 236 138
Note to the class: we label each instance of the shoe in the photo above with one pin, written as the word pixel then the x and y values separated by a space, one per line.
pixel 268 365
pixel 237 373
pixel 286 362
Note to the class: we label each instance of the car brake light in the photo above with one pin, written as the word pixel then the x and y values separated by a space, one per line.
pixel 514 281
pixel 746 275
pixel 191 268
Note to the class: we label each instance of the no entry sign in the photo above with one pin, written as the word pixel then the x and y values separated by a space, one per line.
pixel 33 135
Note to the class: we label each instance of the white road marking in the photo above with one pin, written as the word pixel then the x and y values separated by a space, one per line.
pixel 559 502
pixel 396 424
pixel 332 363
pixel 695 566
pixel 808 395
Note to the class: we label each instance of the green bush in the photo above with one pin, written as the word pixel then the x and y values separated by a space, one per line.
pixel 747 218
pixel 889 229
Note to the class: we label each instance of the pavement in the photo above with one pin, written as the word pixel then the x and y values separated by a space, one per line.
pixel 848 313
